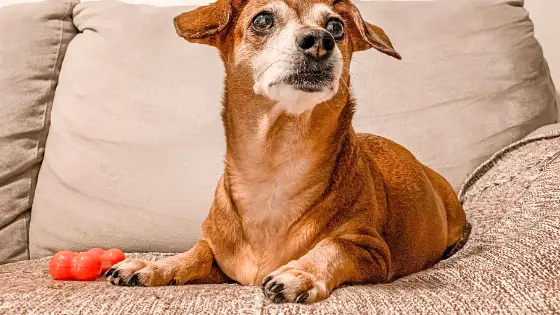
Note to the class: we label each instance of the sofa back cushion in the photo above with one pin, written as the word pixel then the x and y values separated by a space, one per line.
pixel 136 144
pixel 33 40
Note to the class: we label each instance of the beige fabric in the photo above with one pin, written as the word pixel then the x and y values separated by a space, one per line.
pixel 509 266
pixel 545 15
pixel 33 41
pixel 136 145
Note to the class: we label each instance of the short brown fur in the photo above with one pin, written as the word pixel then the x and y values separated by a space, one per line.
pixel 362 210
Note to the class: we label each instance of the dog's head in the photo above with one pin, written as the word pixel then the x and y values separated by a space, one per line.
pixel 296 50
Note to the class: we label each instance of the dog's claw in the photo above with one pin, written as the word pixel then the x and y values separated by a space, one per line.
pixel 266 280
pixel 273 290
pixel 302 297
pixel 109 272
pixel 134 281
pixel 277 287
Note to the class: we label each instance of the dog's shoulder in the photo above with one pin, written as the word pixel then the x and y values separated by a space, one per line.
pixel 381 148
pixel 398 166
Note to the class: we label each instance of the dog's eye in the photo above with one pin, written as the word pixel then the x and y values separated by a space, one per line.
pixel 263 22
pixel 336 28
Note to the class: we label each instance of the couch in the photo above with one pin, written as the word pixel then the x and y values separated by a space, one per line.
pixel 110 136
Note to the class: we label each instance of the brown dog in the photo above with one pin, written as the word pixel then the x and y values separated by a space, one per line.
pixel 305 204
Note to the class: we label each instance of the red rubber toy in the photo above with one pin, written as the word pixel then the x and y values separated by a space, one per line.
pixel 103 256
pixel 115 255
pixel 85 266
pixel 60 266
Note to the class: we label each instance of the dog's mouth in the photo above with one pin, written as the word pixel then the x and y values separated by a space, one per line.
pixel 308 80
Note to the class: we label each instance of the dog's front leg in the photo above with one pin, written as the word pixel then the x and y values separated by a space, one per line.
pixel 332 262
pixel 195 265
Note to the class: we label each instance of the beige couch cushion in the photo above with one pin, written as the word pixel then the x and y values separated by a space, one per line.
pixel 33 40
pixel 136 144
pixel 545 15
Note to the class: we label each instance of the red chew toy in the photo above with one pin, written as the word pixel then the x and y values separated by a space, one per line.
pixel 60 266
pixel 115 255
pixel 103 256
pixel 86 266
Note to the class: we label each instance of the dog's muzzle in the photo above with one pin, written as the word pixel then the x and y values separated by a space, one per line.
pixel 313 71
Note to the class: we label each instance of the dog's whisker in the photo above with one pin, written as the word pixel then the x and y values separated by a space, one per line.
pixel 258 77
pixel 346 85
pixel 286 51
pixel 328 105
pixel 351 76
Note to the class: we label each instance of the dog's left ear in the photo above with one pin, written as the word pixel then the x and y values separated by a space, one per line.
pixel 204 24
pixel 366 36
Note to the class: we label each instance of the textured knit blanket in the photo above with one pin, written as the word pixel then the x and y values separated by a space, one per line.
pixel 511 263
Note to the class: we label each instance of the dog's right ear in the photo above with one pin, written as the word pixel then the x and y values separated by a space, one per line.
pixel 204 24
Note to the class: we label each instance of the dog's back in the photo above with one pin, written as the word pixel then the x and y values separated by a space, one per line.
pixel 425 218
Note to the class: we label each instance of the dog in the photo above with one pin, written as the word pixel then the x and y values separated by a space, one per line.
pixel 305 204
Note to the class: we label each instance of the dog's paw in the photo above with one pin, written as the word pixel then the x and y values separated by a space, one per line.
pixel 292 284
pixel 136 272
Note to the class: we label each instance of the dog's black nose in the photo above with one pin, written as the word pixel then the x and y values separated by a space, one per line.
pixel 316 43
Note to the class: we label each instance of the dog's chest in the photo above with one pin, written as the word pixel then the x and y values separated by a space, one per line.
pixel 269 206
pixel 270 196
pixel 272 184
pixel 251 263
